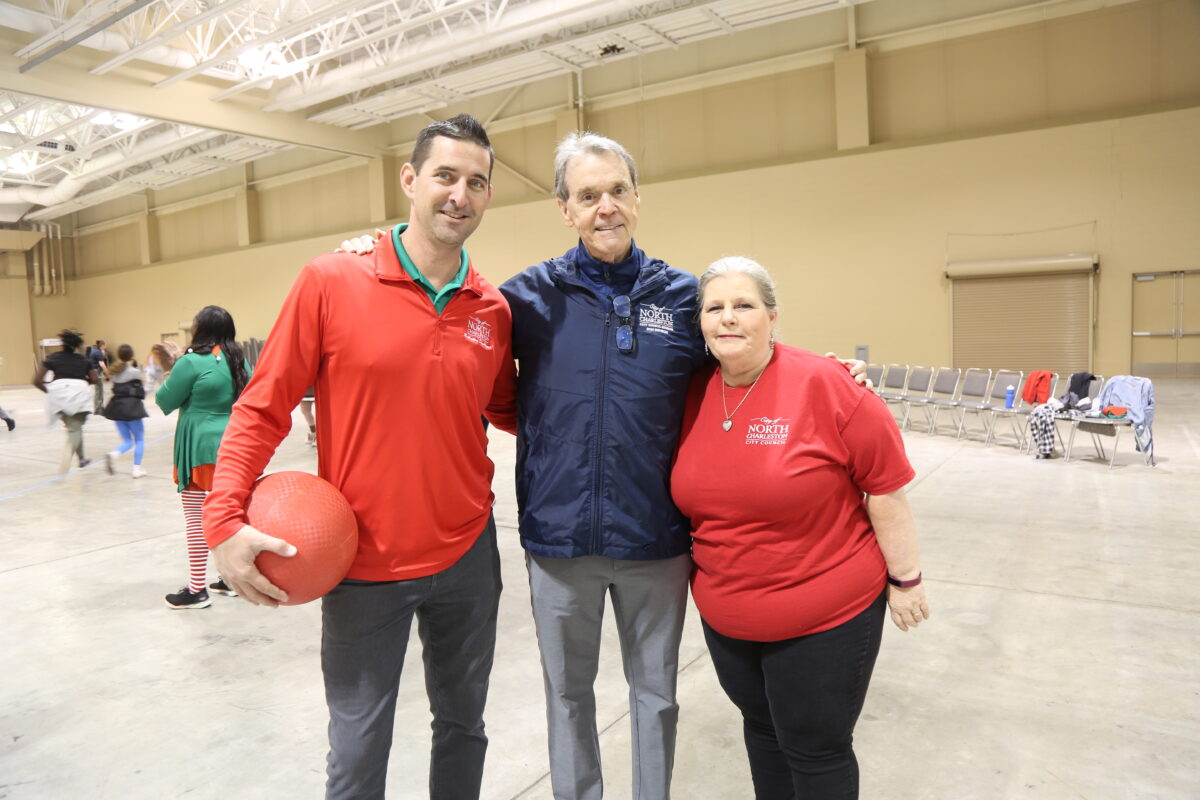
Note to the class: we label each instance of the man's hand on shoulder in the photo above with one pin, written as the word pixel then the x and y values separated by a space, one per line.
pixel 235 557
pixel 858 369
pixel 361 245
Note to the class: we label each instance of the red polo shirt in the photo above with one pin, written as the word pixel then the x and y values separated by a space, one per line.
pixel 400 390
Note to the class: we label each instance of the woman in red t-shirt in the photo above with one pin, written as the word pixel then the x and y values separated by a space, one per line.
pixel 778 448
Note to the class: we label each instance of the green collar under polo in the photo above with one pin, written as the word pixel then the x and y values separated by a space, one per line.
pixel 439 299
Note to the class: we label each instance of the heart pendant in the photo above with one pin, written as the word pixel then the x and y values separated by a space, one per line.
pixel 727 424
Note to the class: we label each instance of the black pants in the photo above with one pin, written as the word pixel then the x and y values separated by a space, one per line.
pixel 800 699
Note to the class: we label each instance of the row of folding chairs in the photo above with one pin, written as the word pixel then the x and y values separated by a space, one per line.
pixel 961 393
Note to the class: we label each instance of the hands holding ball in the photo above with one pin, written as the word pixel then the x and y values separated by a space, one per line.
pixel 299 541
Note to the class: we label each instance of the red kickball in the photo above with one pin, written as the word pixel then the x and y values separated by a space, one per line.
pixel 310 513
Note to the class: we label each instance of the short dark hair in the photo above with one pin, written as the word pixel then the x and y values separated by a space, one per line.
pixel 463 127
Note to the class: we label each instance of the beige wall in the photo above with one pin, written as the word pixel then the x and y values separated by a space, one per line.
pixel 15 326
pixel 48 316
pixel 107 249
pixel 136 306
pixel 1124 57
pixel 209 228
pixel 325 203
pixel 858 243
pixel 780 117
pixel 1086 124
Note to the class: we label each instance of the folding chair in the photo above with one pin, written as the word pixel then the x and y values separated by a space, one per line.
pixel 895 382
pixel 994 398
pixel 875 376
pixel 1070 415
pixel 1138 394
pixel 975 385
pixel 920 383
pixel 942 392
pixel 1102 426
pixel 949 401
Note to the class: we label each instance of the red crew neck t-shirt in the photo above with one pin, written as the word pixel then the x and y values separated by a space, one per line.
pixel 781 538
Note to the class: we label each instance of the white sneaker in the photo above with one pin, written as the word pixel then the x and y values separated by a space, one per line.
pixel 138 471
pixel 110 462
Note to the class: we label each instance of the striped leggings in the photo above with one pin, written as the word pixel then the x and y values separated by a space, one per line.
pixel 193 501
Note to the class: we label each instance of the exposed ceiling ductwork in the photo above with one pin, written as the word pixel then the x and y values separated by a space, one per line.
pixel 103 166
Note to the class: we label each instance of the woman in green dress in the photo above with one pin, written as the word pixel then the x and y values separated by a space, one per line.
pixel 203 384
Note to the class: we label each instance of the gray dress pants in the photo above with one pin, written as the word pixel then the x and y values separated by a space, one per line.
pixel 649 600
pixel 365 629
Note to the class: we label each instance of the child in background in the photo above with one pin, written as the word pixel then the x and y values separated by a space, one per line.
pixel 127 410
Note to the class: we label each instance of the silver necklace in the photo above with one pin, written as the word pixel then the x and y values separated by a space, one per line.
pixel 728 423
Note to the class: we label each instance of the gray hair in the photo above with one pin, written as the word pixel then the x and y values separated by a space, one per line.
pixel 581 143
pixel 739 265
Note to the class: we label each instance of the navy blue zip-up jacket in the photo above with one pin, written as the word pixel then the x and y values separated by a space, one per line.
pixel 597 428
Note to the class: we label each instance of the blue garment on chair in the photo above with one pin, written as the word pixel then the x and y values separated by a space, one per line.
pixel 1136 394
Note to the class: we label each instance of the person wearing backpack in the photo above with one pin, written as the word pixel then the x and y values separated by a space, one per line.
pixel 127 410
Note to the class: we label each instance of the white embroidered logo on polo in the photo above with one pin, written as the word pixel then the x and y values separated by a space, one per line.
pixel 479 332
pixel 655 319
pixel 768 431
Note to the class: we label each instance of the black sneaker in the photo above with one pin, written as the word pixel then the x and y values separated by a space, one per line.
pixel 10 422
pixel 185 598
pixel 83 462
pixel 220 587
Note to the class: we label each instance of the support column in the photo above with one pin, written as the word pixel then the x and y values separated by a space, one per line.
pixel 246 213
pixel 850 89
pixel 147 226
pixel 148 251
pixel 76 256
pixel 17 350
pixel 572 119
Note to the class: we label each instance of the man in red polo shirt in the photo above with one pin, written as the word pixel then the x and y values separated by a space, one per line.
pixel 407 348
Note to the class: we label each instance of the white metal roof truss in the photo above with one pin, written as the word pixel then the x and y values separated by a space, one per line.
pixel 362 62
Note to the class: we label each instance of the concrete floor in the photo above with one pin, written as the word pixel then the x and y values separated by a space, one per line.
pixel 1061 660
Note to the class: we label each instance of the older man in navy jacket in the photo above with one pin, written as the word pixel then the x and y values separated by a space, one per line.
pixel 606 342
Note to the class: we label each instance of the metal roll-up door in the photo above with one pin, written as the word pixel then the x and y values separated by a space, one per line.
pixel 1023 314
